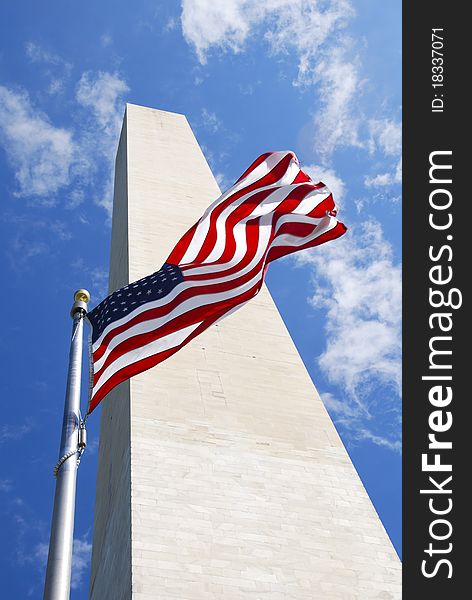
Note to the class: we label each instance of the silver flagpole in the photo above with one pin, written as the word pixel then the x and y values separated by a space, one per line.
pixel 58 572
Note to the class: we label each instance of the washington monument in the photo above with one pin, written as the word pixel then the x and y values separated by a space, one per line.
pixel 221 475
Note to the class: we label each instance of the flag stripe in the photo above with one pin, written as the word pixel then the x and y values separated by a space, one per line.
pixel 205 232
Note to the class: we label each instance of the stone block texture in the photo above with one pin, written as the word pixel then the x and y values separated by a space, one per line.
pixel 221 475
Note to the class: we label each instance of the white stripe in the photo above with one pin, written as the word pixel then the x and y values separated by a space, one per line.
pixel 311 201
pixel 265 229
pixel 315 221
pixel 267 206
pixel 186 306
pixel 201 231
pixel 287 239
pixel 169 341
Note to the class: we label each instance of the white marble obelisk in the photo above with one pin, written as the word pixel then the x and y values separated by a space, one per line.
pixel 221 475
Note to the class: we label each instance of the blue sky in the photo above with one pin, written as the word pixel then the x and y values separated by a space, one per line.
pixel 320 77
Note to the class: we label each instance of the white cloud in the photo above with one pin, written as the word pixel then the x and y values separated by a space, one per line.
pixel 358 284
pixel 41 155
pixel 211 121
pixel 223 24
pixel 328 60
pixel 81 553
pixel 102 94
pixel 15 432
pixel 171 24
pixel 395 445
pixel 329 177
pixel 37 54
pixel 337 122
pixel 386 135
pixel 313 30
pixel 46 158
pixel 94 277
pixel 386 139
pixel 75 198
pixel 5 485
pixel 222 181
pixel 384 179
pixel 33 237
pixel 342 409
pixel 106 40
pixel 303 25
pixel 56 86
pixel 55 68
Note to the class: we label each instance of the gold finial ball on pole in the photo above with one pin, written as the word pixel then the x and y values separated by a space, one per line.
pixel 82 296
pixel 81 299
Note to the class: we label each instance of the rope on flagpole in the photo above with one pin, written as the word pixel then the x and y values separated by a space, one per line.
pixel 62 460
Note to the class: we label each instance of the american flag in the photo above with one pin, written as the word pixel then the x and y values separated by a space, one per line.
pixel 272 210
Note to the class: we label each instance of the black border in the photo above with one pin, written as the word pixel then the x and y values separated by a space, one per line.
pixel 423 133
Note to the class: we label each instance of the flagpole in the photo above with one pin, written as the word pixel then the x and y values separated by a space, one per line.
pixel 58 571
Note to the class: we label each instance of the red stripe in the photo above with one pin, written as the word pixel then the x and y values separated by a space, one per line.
pixel 269 179
pixel 332 234
pixel 252 240
pixel 182 245
pixel 322 209
pixel 301 178
pixel 240 213
pixel 255 164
